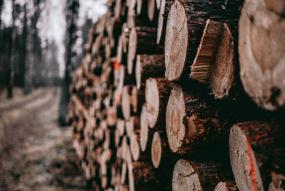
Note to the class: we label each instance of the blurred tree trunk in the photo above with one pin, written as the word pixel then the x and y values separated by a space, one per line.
pixel 72 9
pixel 11 66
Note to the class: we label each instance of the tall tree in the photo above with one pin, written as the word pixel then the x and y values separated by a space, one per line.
pixel 72 8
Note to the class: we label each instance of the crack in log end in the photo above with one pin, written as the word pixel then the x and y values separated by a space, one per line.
pixel 275 93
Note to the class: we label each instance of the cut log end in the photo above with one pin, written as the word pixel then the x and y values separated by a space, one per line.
pixel 126 103
pixel 184 177
pixel 176 42
pixel 262 73
pixel 138 72
pixel 152 100
pixel 156 150
pixel 135 147
pixel 214 61
pixel 132 50
pixel 226 186
pixel 243 161
pixel 144 129
pixel 160 21
pixel 150 9
pixel 175 113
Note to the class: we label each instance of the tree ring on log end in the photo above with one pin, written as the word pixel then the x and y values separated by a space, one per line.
pixel 126 103
pixel 152 100
pixel 243 162
pixel 176 42
pixel 156 150
pixel 132 50
pixel 262 54
pixel 135 147
pixel 175 113
pixel 143 129
pixel 184 177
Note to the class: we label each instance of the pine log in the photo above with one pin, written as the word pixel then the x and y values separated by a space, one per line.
pixel 144 129
pixel 257 154
pixel 157 92
pixel 141 177
pixel 148 66
pixel 214 61
pixel 126 102
pixel 151 9
pixel 162 18
pixel 160 151
pixel 262 51
pixel 226 186
pixel 188 175
pixel 191 121
pixel 185 24
pixel 142 41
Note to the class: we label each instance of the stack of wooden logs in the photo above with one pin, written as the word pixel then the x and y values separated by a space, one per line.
pixel 160 101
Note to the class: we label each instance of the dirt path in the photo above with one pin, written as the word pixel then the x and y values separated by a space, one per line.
pixel 35 154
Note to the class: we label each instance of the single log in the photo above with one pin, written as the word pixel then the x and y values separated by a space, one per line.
pixel 126 102
pixel 214 61
pixel 148 66
pixel 144 129
pixel 159 150
pixel 185 24
pixel 142 41
pixel 256 153
pixel 141 177
pixel 151 9
pixel 162 18
pixel 262 52
pixel 135 145
pixel 157 92
pixel 226 186
pixel 188 175
pixel 191 121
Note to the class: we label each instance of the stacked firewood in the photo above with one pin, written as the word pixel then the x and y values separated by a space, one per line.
pixel 160 101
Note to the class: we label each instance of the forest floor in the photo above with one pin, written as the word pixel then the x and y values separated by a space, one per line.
pixel 36 154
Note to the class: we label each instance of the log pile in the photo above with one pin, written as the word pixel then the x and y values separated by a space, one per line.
pixel 158 104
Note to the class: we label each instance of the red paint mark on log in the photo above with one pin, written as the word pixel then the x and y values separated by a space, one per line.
pixel 252 169
pixel 116 65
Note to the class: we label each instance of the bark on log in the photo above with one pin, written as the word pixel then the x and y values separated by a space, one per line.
pixel 141 177
pixel 214 61
pixel 188 175
pixel 262 52
pixel 157 92
pixel 142 41
pixel 191 121
pixel 256 153
pixel 185 24
pixel 148 66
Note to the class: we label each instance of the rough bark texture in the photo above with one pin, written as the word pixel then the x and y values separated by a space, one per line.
pixel 148 66
pixel 188 175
